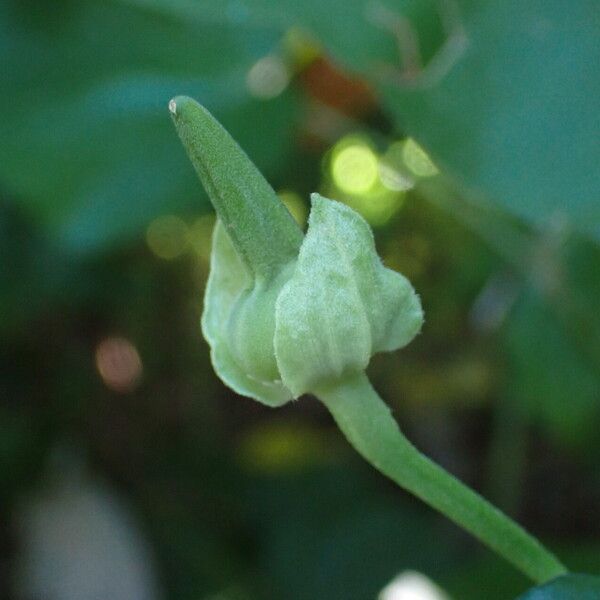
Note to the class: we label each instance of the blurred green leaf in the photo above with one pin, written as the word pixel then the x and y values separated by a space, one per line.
pixel 568 587
pixel 515 118
pixel 32 269
pixel 87 142
pixel 504 96
pixel 549 378
pixel 492 579
pixel 552 339
pixel 328 533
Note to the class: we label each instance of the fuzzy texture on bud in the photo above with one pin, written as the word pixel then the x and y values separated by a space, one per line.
pixel 341 305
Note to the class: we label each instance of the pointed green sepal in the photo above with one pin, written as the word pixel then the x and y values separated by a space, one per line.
pixel 263 232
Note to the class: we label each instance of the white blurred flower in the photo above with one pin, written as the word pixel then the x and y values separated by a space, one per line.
pixel 78 542
pixel 412 585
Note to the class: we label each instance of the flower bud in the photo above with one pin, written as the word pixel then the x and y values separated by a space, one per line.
pixel 286 313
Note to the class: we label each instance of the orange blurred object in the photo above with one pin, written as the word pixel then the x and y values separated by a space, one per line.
pixel 326 83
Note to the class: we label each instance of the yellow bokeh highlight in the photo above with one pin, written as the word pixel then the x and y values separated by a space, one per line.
pixel 392 172
pixel 167 237
pixel 377 208
pixel 394 180
pixel 360 178
pixel 295 205
pixel 278 447
pixel 355 168
pixel 417 160
pixel 301 47
pixel 200 235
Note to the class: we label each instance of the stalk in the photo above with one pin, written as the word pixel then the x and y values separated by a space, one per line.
pixel 369 426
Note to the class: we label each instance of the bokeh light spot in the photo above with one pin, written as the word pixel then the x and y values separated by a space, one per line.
pixel 200 235
pixel 119 364
pixel 377 209
pixel 417 160
pixel 167 237
pixel 393 179
pixel 302 48
pixel 295 205
pixel 281 447
pixel 412 585
pixel 268 77
pixel 392 171
pixel 355 169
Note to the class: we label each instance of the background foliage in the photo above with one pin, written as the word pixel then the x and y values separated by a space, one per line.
pixel 108 404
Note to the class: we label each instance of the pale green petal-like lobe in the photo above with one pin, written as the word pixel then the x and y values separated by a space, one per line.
pixel 229 279
pixel 341 305
pixel 397 317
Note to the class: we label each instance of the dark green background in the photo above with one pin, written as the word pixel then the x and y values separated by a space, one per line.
pixel 503 385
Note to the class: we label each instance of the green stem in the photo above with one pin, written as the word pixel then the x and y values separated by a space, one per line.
pixel 370 427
